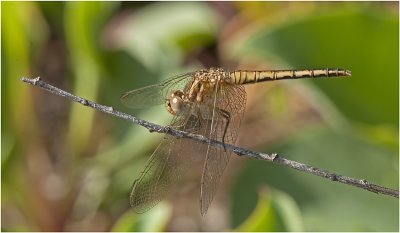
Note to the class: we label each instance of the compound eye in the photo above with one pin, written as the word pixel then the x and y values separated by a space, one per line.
pixel 176 104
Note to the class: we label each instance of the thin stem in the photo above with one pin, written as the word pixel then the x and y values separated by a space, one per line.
pixel 273 158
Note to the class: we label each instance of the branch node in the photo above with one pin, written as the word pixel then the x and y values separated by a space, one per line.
pixel 332 177
pixel 36 80
pixel 364 182
pixel 166 129
pixel 274 156
pixel 84 102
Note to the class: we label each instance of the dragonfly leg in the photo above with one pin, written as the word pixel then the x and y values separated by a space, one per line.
pixel 227 116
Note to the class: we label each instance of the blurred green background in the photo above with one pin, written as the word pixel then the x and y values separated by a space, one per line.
pixel 68 168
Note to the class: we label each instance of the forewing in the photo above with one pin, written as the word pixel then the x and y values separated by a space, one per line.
pixel 232 99
pixel 154 94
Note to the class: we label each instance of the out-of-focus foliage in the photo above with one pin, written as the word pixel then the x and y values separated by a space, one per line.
pixel 275 211
pixel 320 200
pixel 338 39
pixel 154 220
pixel 67 167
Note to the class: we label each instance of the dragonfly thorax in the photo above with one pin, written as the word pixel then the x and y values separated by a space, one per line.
pixel 204 83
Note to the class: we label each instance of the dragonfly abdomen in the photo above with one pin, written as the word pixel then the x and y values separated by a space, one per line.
pixel 245 76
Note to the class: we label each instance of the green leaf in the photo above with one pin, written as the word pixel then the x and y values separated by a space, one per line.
pixel 263 217
pixel 154 220
pixel 288 211
pixel 82 26
pixel 275 211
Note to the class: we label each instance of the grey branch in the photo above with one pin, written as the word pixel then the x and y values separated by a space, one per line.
pixel 273 158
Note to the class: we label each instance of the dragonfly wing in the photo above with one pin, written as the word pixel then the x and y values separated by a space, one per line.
pixel 232 99
pixel 166 166
pixel 144 97
pixel 155 181
pixel 154 94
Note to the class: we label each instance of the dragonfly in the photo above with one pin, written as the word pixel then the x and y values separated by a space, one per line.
pixel 209 102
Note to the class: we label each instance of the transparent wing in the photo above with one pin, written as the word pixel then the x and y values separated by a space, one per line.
pixel 166 166
pixel 232 99
pixel 154 94
pixel 174 157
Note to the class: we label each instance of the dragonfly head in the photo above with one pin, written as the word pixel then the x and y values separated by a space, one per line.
pixel 176 104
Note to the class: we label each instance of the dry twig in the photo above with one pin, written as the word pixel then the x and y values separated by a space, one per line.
pixel 273 158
